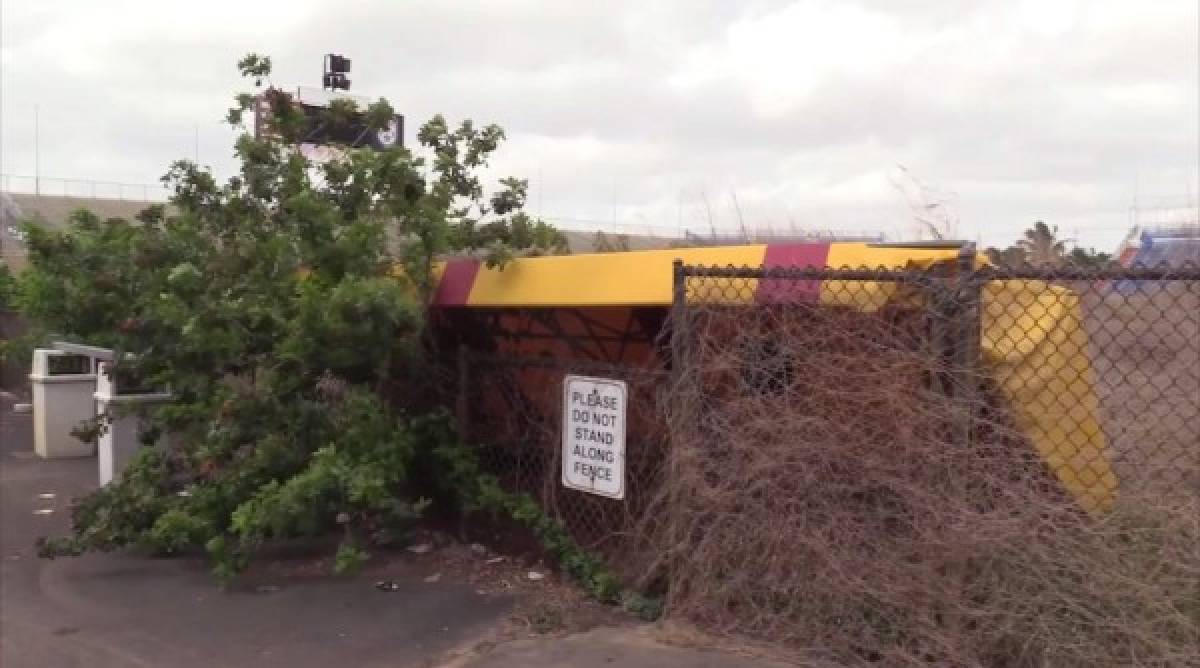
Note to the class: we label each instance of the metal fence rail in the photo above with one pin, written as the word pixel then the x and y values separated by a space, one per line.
pixel 83 188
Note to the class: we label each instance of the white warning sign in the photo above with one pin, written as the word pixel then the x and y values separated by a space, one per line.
pixel 594 435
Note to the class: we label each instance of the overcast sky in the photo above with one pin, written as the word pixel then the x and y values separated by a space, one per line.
pixel 640 111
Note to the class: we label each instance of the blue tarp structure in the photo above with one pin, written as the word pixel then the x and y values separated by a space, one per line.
pixel 1176 247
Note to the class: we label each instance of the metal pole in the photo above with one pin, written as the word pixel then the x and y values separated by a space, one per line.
pixel 969 315
pixel 463 406
pixel 678 432
pixel 679 215
pixel 614 204
pixel 37 153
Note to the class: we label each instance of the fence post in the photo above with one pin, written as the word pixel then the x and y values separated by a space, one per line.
pixel 968 323
pixel 462 405
pixel 941 308
pixel 676 421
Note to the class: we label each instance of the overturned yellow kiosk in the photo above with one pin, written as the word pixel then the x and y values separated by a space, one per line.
pixel 612 308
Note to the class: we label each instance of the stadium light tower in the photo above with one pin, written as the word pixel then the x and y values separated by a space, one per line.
pixel 336 69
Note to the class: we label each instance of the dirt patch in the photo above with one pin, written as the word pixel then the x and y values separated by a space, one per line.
pixel 640 647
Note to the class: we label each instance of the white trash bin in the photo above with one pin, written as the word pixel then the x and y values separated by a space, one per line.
pixel 63 386
pixel 122 439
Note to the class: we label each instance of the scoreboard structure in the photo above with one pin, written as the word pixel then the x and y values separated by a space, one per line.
pixel 320 138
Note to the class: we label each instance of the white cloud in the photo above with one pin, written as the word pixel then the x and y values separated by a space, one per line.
pixel 782 57
pixel 1051 109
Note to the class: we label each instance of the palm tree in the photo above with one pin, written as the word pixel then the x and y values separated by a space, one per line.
pixel 1042 246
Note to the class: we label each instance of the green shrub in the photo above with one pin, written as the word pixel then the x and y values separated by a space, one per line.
pixel 271 307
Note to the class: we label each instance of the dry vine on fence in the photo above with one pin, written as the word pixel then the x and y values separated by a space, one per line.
pixel 823 496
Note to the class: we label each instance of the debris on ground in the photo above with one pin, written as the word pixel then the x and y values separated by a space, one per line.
pixel 479 549
pixel 266 589
pixel 387 585
pixel 543 602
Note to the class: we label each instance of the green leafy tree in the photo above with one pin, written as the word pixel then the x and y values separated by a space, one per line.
pixel 1042 246
pixel 1012 257
pixel 8 287
pixel 1089 258
pixel 278 307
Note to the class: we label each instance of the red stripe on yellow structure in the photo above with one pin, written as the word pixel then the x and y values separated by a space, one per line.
pixel 454 287
pixel 637 278
pixel 782 291
pixel 1031 371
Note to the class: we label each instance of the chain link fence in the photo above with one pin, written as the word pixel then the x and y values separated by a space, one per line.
pixel 948 466
pixel 515 417
pixel 952 466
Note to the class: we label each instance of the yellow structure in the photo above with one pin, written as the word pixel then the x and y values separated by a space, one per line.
pixel 1032 337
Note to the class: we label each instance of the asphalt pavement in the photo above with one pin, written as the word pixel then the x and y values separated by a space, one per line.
pixel 121 610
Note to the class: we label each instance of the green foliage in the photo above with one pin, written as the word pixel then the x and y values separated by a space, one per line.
pixel 462 478
pixel 1039 246
pixel 271 306
pixel 8 288
pixel 349 558
pixel 256 66
pixel 1090 258
pixel 1012 257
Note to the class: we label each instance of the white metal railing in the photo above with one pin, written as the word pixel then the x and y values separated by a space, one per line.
pixel 84 188
pixel 157 192
pixel 751 234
